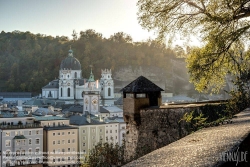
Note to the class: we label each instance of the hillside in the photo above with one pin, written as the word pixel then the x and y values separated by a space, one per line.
pixel 29 61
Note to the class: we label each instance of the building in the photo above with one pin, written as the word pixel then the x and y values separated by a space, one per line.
pixel 60 142
pixel 92 130
pixel 21 141
pixel 70 85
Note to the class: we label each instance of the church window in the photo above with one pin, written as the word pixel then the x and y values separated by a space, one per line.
pixel 75 75
pixel 61 92
pixel 109 92
pixel 68 92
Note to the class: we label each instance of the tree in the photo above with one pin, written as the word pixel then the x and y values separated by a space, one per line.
pixel 223 26
pixel 105 155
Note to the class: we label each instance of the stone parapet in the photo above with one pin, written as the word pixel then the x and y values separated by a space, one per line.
pixel 225 145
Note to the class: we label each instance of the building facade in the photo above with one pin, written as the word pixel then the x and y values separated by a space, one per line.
pixel 21 142
pixel 70 84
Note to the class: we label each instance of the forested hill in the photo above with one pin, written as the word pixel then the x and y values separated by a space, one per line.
pixel 29 61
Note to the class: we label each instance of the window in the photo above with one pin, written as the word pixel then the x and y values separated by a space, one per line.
pixel 93 137
pixel 110 131
pixel 68 141
pixel 23 152
pixel 83 131
pixel 30 141
pixel 123 127
pixel 7 153
pixel 61 92
pixel 100 130
pixel 75 75
pixel 17 142
pixel 101 137
pixel 68 158
pixel 68 133
pixel 123 134
pixel 37 141
pixel 18 153
pixel 58 142
pixel 7 143
pixel 7 134
pixel 84 137
pixel 58 133
pixel 63 159
pixel 63 150
pixel 107 131
pixel 54 134
pixel 93 130
pixel 54 151
pixel 115 137
pixel 62 133
pixel 37 150
pixel 68 149
pixel 83 144
pixel 37 132
pixel 63 142
pixel 30 151
pixel 54 142
pixel 115 131
pixel 73 133
pixel 58 150
pixel 54 160
pixel 29 132
pixel 68 92
pixel 109 92
pixel 73 140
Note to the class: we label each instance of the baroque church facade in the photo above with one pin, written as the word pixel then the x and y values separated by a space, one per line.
pixel 72 86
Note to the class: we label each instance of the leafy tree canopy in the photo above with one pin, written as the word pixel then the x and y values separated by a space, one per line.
pixel 222 24
pixel 29 61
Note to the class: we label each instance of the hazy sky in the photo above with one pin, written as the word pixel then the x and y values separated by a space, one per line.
pixel 60 17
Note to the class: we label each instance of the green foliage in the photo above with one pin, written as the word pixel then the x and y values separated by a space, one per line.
pixel 208 115
pixel 105 155
pixel 222 24
pixel 29 61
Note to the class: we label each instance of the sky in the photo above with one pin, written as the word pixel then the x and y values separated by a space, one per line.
pixel 61 17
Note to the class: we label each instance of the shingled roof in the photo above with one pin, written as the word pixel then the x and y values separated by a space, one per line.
pixel 141 85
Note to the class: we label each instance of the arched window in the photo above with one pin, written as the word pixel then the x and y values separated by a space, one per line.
pixel 61 92
pixel 109 92
pixel 68 92
pixel 75 74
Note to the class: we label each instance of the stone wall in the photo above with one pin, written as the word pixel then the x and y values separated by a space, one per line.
pixel 153 128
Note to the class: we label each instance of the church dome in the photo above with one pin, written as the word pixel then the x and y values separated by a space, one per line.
pixel 70 62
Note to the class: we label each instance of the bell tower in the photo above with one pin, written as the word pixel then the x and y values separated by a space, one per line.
pixel 91 95
pixel 107 87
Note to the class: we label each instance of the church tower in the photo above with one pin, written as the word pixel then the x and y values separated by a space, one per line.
pixel 91 96
pixel 70 70
pixel 107 90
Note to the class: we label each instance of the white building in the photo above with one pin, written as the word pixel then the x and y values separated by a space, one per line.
pixel 70 84
pixel 21 142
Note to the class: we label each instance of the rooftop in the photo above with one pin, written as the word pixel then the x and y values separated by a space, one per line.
pixel 48 118
pixel 141 85
pixel 59 127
